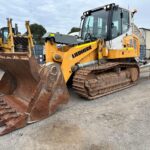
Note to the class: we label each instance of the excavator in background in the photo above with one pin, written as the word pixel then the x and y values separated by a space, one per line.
pixel 102 61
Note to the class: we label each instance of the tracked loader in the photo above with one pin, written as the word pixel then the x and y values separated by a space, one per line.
pixel 102 61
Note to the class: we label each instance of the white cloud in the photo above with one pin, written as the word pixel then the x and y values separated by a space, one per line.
pixel 60 15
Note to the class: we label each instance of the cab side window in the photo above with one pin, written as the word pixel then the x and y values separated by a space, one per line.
pixel 5 35
pixel 116 23
pixel 120 22
pixel 125 21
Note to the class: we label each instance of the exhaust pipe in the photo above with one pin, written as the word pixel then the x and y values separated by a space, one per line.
pixel 16 29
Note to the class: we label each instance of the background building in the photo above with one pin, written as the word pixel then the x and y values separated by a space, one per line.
pixel 146 34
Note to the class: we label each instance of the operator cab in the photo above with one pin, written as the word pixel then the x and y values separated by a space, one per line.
pixel 107 22
pixel 20 42
pixel 4 33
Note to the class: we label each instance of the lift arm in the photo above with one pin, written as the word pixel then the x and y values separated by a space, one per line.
pixel 30 40
pixel 10 35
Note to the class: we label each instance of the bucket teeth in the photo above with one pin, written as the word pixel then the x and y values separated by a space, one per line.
pixel 9 118
pixel 7 111
pixel 7 130
pixel 5 107
pixel 1 101
pixel 12 122
pixel 2 123
pixel 6 120
pixel 3 104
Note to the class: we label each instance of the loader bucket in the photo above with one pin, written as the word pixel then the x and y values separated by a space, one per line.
pixel 29 92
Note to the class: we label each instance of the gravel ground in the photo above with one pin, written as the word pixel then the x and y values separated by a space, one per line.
pixel 120 121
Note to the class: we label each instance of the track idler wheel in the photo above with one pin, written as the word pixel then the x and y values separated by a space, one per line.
pixel 134 74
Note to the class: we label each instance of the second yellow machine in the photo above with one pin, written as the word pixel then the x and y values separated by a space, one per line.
pixel 102 61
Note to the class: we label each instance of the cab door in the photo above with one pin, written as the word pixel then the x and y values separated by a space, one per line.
pixel 4 34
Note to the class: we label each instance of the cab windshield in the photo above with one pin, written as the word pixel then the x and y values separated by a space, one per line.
pixel 95 25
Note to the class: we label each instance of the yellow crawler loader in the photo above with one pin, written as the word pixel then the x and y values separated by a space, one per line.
pixel 12 41
pixel 102 61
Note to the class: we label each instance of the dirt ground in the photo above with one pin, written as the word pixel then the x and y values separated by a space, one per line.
pixel 120 121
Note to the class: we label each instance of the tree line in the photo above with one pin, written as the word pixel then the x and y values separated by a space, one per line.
pixel 38 31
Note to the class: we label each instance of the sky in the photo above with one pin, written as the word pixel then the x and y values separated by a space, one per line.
pixel 62 15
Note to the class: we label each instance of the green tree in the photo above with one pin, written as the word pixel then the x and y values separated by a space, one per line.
pixel 74 29
pixel 37 31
